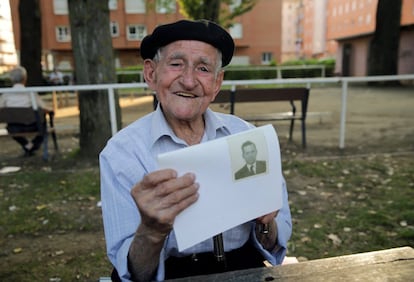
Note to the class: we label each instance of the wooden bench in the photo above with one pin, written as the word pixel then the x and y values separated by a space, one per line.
pixel 28 115
pixel 249 95
pixel 384 265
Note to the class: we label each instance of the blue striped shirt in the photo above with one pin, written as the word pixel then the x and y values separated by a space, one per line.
pixel 130 154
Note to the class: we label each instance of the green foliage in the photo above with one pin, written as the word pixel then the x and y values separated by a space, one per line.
pixel 309 72
pixel 219 11
pixel 131 68
pixel 244 73
pixel 197 9
pixel 5 82
pixel 129 74
pixel 232 10
pixel 267 72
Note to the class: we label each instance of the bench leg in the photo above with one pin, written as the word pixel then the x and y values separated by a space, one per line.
pixel 292 124
pixel 55 141
pixel 303 134
pixel 45 155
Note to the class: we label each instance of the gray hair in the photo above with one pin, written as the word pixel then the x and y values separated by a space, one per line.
pixel 158 56
pixel 18 75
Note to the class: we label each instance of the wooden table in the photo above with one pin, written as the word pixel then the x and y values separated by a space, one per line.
pixel 386 265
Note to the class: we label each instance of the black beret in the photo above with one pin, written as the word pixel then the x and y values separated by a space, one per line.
pixel 201 30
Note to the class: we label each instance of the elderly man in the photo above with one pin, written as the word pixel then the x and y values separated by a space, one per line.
pixel 19 98
pixel 183 64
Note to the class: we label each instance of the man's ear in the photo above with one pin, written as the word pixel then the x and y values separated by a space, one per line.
pixel 219 81
pixel 149 73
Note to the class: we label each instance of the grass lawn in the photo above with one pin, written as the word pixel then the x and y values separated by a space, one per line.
pixel 51 226
pixel 349 205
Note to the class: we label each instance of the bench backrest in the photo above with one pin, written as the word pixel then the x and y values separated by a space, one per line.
pixel 264 95
pixel 21 115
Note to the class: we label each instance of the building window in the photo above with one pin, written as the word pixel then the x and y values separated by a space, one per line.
pixel 165 6
pixel 114 26
pixel 117 62
pixel 113 4
pixel 60 7
pixel 266 58
pixel 368 19
pixel 62 34
pixel 136 32
pixel 236 31
pixel 353 6
pixel 135 6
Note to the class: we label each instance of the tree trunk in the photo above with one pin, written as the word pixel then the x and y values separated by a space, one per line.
pixel 383 51
pixel 30 41
pixel 94 64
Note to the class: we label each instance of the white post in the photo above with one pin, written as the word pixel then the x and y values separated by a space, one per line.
pixel 112 110
pixel 343 114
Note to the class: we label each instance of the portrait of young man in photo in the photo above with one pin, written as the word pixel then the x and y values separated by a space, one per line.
pixel 252 165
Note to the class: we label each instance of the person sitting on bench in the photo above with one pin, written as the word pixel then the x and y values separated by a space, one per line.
pixel 21 99
pixel 183 65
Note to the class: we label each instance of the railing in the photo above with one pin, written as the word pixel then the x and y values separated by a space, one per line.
pixel 278 70
pixel 344 81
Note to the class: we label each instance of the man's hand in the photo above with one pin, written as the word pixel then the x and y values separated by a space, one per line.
pixel 161 196
pixel 266 230
pixel 267 218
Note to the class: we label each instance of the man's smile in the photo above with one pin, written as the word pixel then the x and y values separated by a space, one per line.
pixel 186 95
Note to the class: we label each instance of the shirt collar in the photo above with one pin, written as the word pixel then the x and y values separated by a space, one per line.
pixel 160 127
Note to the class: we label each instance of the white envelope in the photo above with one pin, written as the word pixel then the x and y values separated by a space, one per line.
pixel 225 202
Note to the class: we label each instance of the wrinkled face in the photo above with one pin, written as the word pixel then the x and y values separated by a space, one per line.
pixel 249 153
pixel 185 78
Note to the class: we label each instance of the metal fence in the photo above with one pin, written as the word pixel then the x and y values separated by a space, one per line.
pixel 308 82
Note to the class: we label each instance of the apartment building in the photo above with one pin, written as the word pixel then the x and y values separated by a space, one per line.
pixel 8 57
pixel 341 29
pixel 292 29
pixel 315 28
pixel 304 27
pixel 352 24
pixel 256 34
